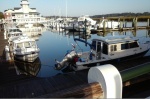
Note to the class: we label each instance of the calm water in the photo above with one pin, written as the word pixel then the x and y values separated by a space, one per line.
pixel 54 45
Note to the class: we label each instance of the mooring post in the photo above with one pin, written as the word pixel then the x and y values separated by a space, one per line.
pixel 104 26
pixel 109 78
pixel 135 23
pixel 148 23
pixel 120 25
pixel 124 24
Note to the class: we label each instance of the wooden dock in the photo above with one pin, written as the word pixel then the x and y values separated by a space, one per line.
pixel 122 20
pixel 23 86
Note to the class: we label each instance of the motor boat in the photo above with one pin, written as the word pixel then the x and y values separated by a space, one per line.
pixel 23 48
pixel 103 51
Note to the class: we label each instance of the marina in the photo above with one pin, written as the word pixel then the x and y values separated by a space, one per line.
pixel 73 57
pixel 43 71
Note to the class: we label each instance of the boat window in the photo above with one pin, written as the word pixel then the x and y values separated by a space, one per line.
pixel 98 46
pixel 105 49
pixel 26 44
pixel 124 46
pixel 133 45
pixel 33 44
pixel 113 48
pixel 19 45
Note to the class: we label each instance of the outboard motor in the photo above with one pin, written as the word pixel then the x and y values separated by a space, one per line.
pixel 67 59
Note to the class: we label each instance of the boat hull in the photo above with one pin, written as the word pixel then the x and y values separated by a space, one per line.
pixel 27 58
pixel 115 60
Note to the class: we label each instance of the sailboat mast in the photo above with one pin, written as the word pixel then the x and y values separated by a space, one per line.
pixel 66 9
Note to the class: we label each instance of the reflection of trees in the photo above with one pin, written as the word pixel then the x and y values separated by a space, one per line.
pixel 28 68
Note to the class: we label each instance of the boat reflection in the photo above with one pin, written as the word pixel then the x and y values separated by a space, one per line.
pixel 26 68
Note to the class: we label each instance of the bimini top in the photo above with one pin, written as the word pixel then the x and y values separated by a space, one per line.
pixel 116 39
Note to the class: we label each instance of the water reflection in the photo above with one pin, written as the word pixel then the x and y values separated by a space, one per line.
pixel 28 68
pixel 54 44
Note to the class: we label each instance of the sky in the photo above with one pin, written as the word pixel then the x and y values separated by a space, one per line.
pixel 80 7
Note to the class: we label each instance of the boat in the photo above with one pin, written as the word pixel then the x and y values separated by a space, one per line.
pixel 104 50
pixel 13 32
pixel 23 48
pixel 81 24
pixel 108 24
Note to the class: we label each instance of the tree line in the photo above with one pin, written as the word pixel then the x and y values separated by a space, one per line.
pixel 128 14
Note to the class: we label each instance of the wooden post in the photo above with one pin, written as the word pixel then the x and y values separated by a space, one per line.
pixel 123 22
pixel 111 24
pixel 92 90
pixel 121 28
pixel 148 23
pixel 135 23
pixel 104 26
pixel 118 22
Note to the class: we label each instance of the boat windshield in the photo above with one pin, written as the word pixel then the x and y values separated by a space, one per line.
pixel 26 44
pixel 19 45
pixel 33 44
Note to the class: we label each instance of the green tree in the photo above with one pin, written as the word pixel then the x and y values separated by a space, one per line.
pixel 1 15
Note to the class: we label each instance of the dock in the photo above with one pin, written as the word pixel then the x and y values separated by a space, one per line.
pixel 24 86
pixel 122 20
pixel 68 85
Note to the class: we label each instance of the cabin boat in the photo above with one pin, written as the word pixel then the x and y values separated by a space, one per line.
pixel 23 48
pixel 105 50
pixel 13 32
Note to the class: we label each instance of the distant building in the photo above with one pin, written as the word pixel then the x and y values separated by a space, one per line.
pixel 23 15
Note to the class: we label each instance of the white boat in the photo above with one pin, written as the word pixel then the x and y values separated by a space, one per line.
pixel 13 32
pixel 105 50
pixel 80 24
pixel 24 49
pixel 108 24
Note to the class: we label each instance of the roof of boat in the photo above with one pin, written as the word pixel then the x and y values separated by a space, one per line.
pixel 116 39
pixel 23 39
pixel 14 30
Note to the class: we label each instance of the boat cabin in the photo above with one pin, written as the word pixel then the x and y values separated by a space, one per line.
pixel 114 47
pixel 13 32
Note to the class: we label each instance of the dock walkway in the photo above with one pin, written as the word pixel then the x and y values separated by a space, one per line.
pixel 23 86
